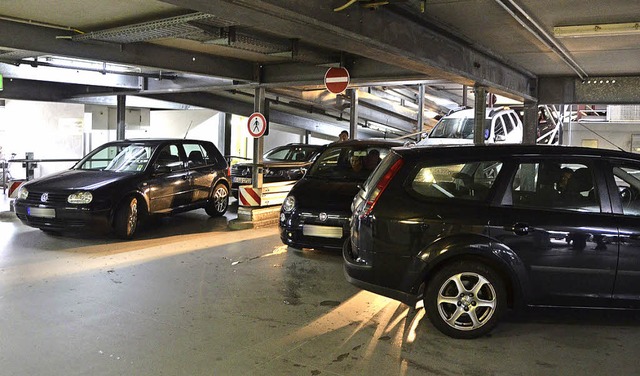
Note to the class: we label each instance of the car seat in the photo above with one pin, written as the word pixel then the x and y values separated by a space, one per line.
pixel 196 158
pixel 580 182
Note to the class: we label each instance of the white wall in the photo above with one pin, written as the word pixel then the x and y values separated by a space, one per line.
pixel 608 134
pixel 196 124
pixel 49 130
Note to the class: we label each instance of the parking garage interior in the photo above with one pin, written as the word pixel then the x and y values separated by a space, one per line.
pixel 191 296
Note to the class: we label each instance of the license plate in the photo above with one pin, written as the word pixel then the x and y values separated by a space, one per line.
pixel 241 180
pixel 41 212
pixel 322 231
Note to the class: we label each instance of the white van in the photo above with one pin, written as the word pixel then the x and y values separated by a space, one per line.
pixel 503 125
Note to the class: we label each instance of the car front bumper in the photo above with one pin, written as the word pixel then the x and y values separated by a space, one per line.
pixel 63 218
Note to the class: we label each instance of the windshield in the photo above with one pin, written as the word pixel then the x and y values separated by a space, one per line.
pixel 348 163
pixel 298 153
pixel 118 158
pixel 455 128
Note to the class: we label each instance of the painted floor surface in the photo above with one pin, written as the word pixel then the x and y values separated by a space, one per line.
pixel 190 297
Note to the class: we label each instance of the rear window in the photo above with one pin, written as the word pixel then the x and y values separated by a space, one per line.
pixel 467 181
pixel 348 162
pixel 292 153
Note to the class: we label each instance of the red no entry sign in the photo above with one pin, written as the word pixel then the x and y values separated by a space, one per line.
pixel 336 80
pixel 257 124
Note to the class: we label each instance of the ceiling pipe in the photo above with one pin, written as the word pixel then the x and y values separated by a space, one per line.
pixel 541 34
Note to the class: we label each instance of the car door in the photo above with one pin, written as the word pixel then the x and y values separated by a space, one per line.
pixel 169 185
pixel 566 241
pixel 625 198
pixel 200 165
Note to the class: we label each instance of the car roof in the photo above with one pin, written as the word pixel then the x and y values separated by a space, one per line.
pixel 368 142
pixel 499 150
pixel 155 140
pixel 470 112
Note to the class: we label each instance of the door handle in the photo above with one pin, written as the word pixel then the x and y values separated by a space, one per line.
pixel 520 229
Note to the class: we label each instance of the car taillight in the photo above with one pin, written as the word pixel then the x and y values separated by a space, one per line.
pixel 381 186
pixel 229 171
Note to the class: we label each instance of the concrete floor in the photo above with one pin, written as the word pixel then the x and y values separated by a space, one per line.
pixel 193 298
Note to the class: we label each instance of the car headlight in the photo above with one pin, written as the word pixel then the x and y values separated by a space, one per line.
pixel 80 198
pixel 289 204
pixel 23 193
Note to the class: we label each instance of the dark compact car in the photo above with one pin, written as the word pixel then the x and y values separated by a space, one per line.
pixel 475 230
pixel 316 212
pixel 118 184
pixel 288 162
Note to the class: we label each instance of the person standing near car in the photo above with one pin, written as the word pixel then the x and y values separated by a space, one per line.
pixel 344 136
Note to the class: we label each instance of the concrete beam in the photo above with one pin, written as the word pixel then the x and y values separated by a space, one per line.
pixel 50 91
pixel 389 35
pixel 593 90
pixel 280 114
pixel 70 76
pixel 47 41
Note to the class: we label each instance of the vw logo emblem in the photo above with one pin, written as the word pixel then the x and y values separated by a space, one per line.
pixel 44 197
pixel 322 217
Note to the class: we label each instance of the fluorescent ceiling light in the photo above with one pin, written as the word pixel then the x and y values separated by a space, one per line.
pixel 600 30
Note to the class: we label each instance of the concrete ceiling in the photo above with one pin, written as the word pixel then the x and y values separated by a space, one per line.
pixel 214 53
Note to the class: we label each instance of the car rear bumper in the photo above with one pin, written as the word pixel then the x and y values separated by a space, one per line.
pixel 362 275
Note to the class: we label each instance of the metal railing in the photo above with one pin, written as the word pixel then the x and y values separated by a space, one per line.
pixel 28 164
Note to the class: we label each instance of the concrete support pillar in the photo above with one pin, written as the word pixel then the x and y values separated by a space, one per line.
pixel 420 127
pixel 353 119
pixel 530 121
pixel 259 105
pixel 120 117
pixel 224 134
pixel 480 114
pixel 465 96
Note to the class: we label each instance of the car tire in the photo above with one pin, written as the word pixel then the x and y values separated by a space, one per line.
pixel 472 312
pixel 219 201
pixel 127 219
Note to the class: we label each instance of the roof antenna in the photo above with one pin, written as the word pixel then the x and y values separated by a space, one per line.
pixel 187 132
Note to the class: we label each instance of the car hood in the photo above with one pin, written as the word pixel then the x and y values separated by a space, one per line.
pixel 322 195
pixel 77 180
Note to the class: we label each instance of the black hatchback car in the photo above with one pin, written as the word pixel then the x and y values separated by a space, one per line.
pixel 283 163
pixel 120 183
pixel 476 230
pixel 316 212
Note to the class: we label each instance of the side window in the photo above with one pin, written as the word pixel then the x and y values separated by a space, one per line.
pixel 470 181
pixel 628 181
pixel 196 155
pixel 514 119
pixel 508 122
pixel 555 185
pixel 499 127
pixel 169 156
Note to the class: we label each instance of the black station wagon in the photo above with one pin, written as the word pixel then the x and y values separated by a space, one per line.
pixel 120 183
pixel 476 230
